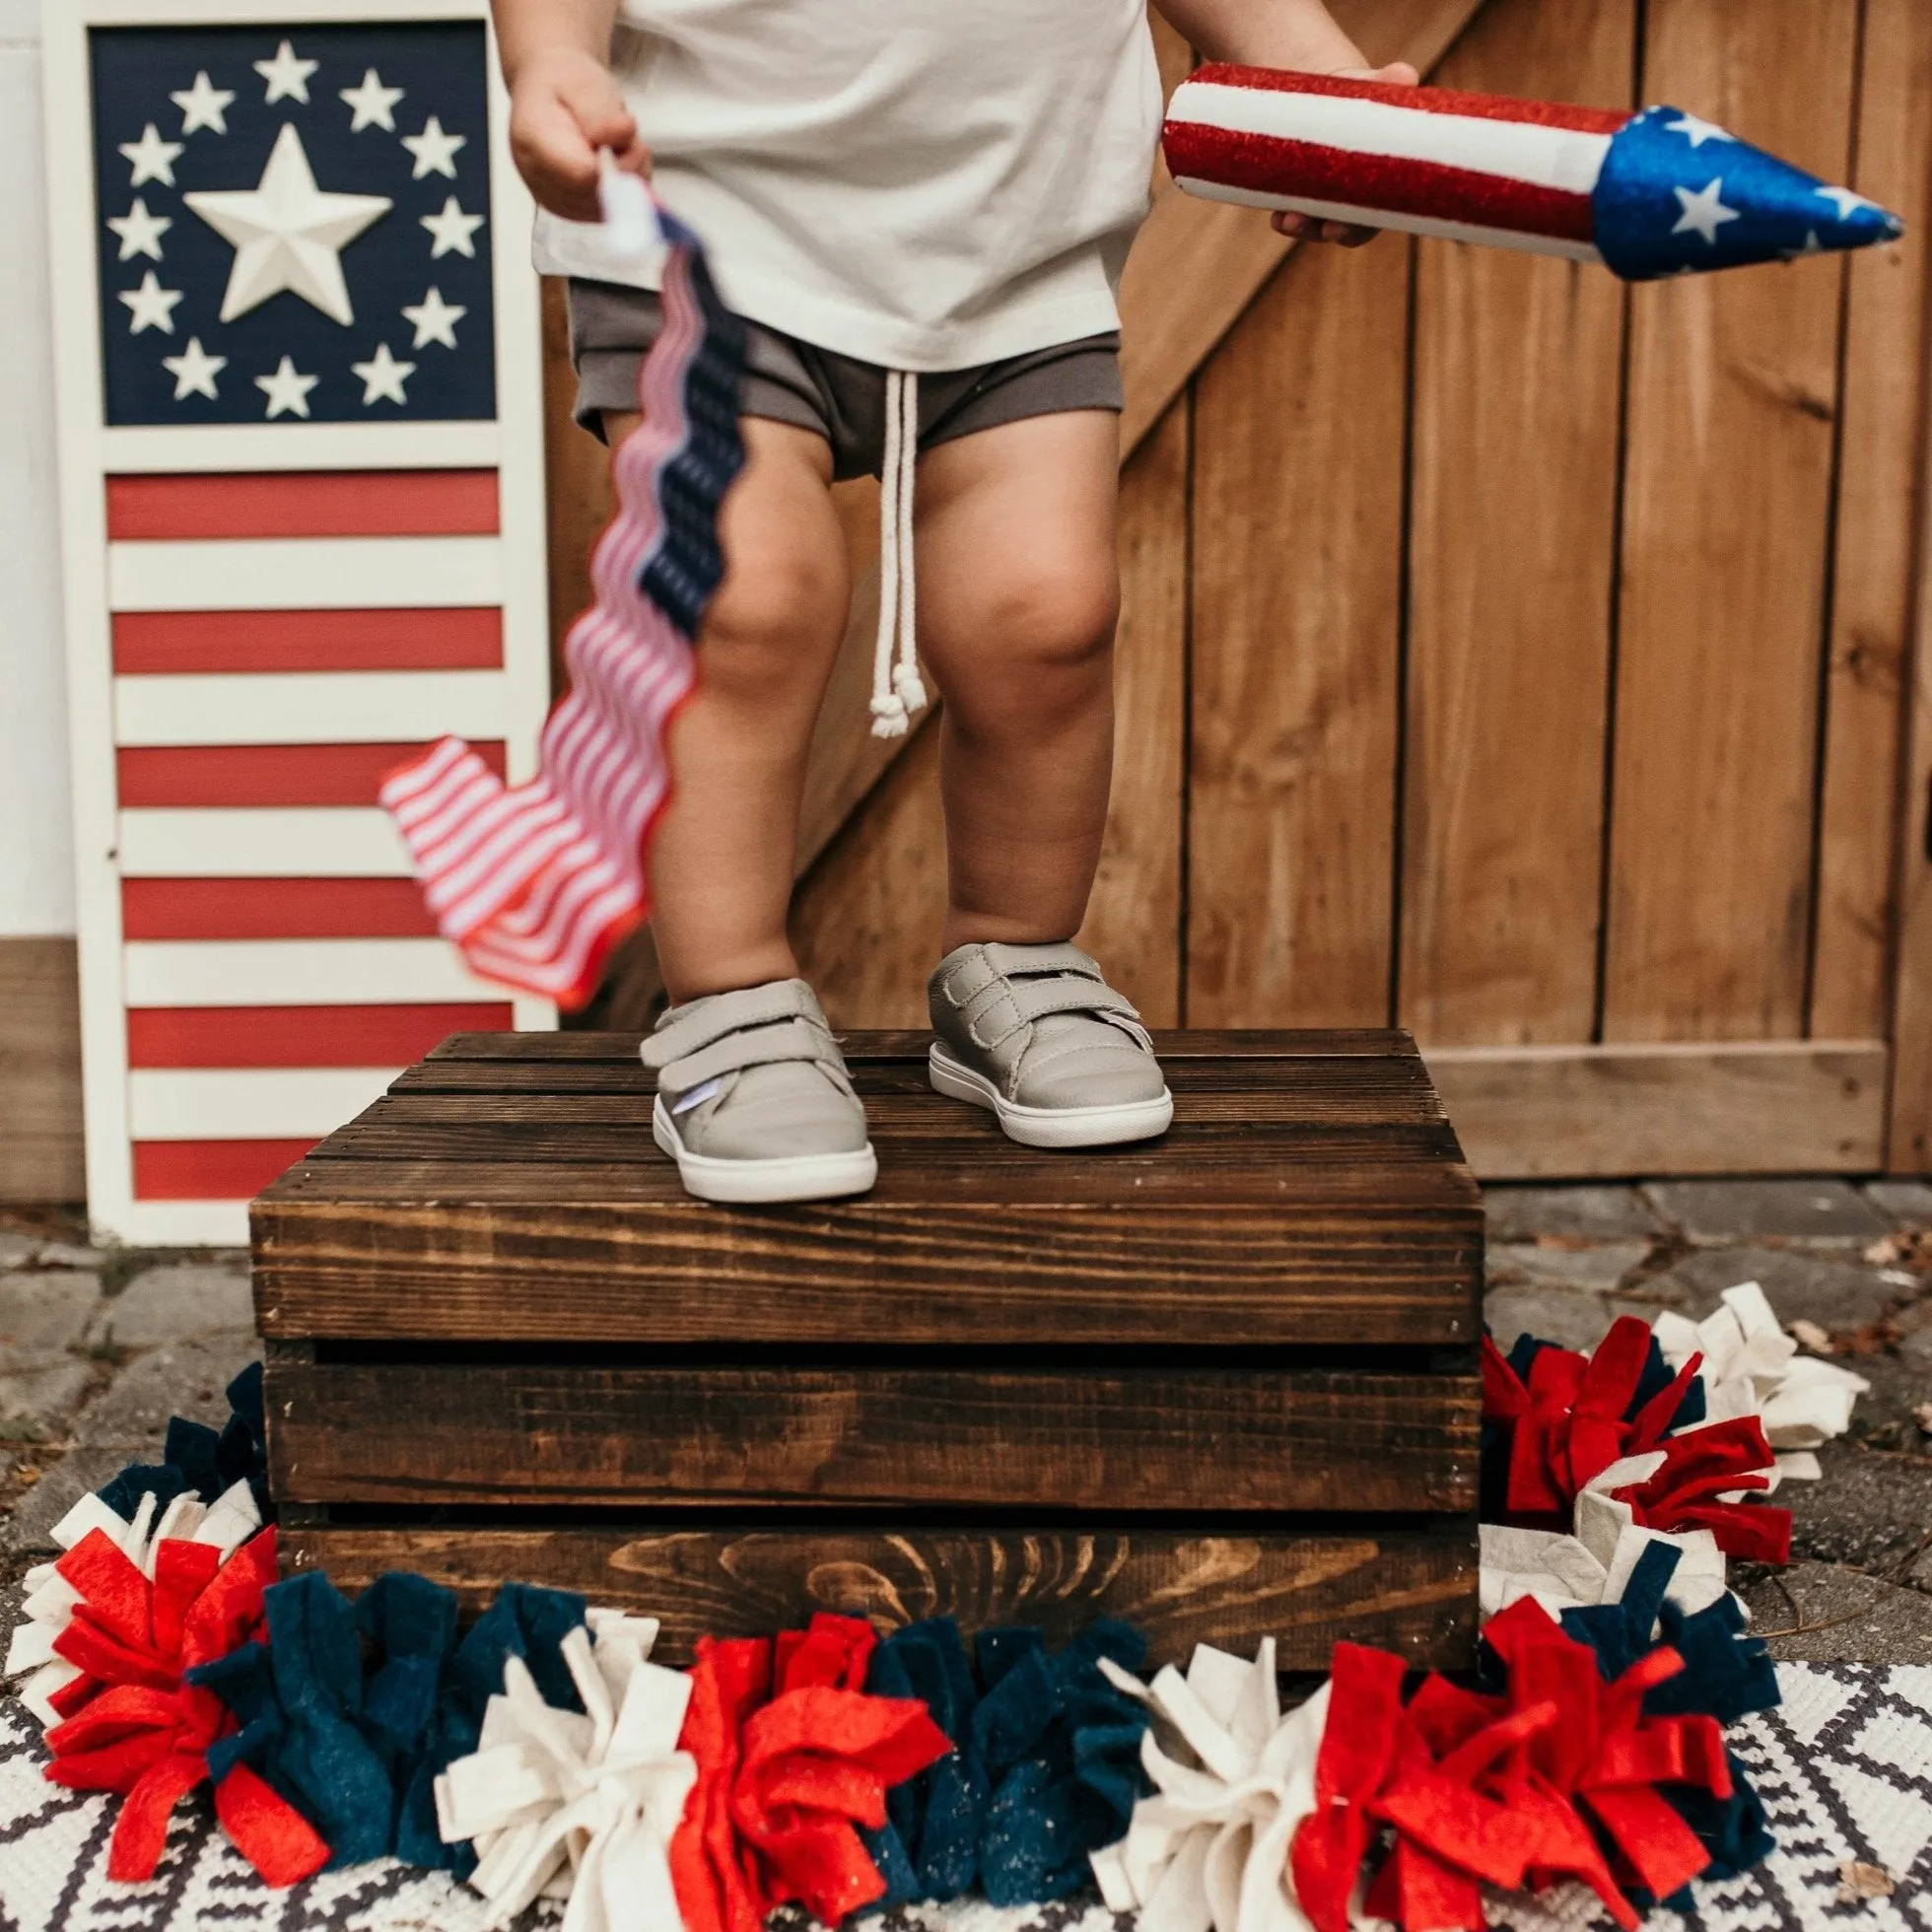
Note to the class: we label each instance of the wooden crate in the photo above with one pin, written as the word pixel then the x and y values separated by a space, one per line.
pixel 1223 1384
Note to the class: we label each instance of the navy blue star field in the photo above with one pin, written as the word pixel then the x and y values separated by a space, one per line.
pixel 316 274
pixel 1677 193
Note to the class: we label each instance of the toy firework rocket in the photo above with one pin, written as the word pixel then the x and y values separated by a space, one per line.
pixel 1656 194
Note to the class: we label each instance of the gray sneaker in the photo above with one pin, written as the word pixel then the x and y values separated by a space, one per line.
pixel 1035 1034
pixel 753 1099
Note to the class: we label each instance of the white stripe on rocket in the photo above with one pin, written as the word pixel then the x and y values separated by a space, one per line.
pixel 249 1103
pixel 1522 240
pixel 335 573
pixel 277 708
pixel 233 841
pixel 1561 157
pixel 298 973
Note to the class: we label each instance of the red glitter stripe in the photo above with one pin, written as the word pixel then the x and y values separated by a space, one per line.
pixel 1420 100
pixel 1264 165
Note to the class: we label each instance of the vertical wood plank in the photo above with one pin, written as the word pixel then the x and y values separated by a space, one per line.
pixel 1134 918
pixel 866 920
pixel 1733 392
pixel 578 497
pixel 1511 534
pixel 1880 438
pixel 1908 1141
pixel 1296 605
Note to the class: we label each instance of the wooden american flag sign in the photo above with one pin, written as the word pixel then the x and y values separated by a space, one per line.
pixel 297 377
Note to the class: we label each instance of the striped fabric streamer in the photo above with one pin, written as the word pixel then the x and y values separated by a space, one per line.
pixel 536 882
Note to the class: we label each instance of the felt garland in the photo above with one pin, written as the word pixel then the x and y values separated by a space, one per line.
pixel 792 1757
pixel 579 1806
pixel 543 1755
pixel 1044 1768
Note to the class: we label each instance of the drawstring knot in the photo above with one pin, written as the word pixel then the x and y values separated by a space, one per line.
pixel 897 691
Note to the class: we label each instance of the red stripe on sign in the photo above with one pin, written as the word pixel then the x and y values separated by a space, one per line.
pixel 1263 164
pixel 274 909
pixel 301 1036
pixel 209 641
pixel 1419 99
pixel 314 503
pixel 264 774
pixel 211 1170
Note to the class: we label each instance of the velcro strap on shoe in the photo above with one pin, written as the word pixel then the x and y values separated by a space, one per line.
pixel 999 1010
pixel 1013 961
pixel 727 1014
pixel 753 1045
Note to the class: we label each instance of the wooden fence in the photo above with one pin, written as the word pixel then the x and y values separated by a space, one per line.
pixel 1506 653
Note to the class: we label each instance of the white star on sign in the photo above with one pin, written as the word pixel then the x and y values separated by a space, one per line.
pixel 1703 213
pixel 287 77
pixel 1843 200
pixel 153 158
pixel 451 230
pixel 195 371
pixel 287 392
pixel 204 105
pixel 151 305
pixel 372 103
pixel 287 234
pixel 436 320
pixel 384 376
pixel 435 150
pixel 1697 131
pixel 140 231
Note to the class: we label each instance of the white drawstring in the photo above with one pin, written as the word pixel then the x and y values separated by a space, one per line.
pixel 896 688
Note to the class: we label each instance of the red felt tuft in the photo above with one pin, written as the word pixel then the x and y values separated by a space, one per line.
pixel 1508 1790
pixel 131 1721
pixel 793 1758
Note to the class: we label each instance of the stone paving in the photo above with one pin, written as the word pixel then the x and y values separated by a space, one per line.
pixel 98 1347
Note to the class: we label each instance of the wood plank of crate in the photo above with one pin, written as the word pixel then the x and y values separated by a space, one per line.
pixel 1409 1591
pixel 1310 1199
pixel 940 1433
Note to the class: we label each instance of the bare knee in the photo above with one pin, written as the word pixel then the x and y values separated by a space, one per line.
pixel 1040 646
pixel 775 621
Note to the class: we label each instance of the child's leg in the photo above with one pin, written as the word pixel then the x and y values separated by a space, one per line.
pixel 722 858
pixel 1018 593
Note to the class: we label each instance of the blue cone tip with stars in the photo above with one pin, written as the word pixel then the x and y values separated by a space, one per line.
pixel 1678 195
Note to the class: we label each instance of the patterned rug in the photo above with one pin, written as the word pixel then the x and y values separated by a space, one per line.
pixel 1844 1766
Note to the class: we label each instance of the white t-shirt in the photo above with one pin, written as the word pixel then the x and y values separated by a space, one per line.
pixel 929 184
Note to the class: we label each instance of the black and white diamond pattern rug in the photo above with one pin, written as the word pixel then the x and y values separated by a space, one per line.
pixel 1844 1766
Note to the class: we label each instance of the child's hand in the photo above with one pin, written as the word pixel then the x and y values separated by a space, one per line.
pixel 564 107
pixel 1311 227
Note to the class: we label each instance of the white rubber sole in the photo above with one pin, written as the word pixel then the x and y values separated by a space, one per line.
pixel 787 1177
pixel 1051 1126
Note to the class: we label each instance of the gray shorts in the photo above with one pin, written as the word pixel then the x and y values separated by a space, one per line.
pixel 839 396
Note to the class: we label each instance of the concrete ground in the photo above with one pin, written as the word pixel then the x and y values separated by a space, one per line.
pixel 98 1347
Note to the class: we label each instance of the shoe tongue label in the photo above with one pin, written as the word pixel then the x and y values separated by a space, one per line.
pixel 697 1095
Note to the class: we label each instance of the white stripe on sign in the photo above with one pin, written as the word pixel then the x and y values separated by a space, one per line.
pixel 1563 158
pixel 298 973
pixel 249 1103
pixel 311 708
pixel 1519 240
pixel 337 573
pixel 324 842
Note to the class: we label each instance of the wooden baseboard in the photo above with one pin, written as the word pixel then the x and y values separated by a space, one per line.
pixel 42 1157
pixel 1793 1107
